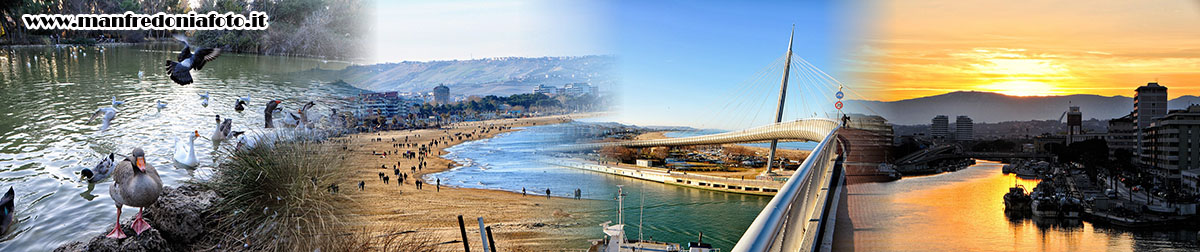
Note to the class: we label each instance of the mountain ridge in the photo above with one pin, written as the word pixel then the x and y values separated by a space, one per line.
pixel 490 76
pixel 994 107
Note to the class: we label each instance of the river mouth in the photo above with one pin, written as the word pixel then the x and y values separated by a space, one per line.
pixel 50 91
pixel 511 162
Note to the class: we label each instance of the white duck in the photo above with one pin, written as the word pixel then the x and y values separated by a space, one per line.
pixel 185 153
pixel 160 105
pixel 115 102
pixel 246 142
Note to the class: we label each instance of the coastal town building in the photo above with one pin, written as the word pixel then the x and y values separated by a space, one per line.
pixel 441 95
pixel 940 128
pixel 577 89
pixel 570 89
pixel 1172 144
pixel 546 90
pixel 1191 180
pixel 1149 102
pixel 964 128
pixel 1122 134
pixel 386 104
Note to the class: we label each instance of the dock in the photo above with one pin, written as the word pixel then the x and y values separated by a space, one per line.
pixel 707 182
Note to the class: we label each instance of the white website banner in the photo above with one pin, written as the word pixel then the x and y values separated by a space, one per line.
pixel 158 21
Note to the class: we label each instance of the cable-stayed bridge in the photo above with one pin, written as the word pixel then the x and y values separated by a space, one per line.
pixel 800 217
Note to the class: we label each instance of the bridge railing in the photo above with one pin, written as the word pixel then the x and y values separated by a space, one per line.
pixel 790 222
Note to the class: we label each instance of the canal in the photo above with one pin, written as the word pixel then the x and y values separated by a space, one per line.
pixel 512 161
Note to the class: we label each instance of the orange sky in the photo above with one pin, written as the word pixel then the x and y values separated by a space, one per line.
pixel 1105 47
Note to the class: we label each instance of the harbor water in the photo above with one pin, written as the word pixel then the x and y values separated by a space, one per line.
pixel 964 211
pixel 510 162
pixel 49 92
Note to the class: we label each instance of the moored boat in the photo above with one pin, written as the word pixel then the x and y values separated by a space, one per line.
pixel 615 240
pixel 1017 200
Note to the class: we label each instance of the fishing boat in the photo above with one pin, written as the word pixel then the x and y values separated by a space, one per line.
pixel 1048 202
pixel 615 240
pixel 1016 200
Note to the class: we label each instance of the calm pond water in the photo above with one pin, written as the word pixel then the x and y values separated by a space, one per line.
pixel 49 92
pixel 510 162
pixel 964 211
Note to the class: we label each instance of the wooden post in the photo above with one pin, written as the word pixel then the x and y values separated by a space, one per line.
pixel 462 228
pixel 491 242
pixel 483 236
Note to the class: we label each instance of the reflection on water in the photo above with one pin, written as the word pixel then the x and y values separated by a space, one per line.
pixel 964 211
pixel 674 214
pixel 48 92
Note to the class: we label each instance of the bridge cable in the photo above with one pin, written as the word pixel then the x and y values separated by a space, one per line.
pixel 743 88
pixel 749 120
pixel 839 83
pixel 827 88
pixel 743 100
pixel 813 86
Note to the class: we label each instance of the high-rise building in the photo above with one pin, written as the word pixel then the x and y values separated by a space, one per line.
pixel 964 128
pixel 1149 102
pixel 386 104
pixel 441 94
pixel 940 128
pixel 1172 144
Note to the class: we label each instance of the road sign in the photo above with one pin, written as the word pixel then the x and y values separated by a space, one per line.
pixel 838 105
pixel 840 95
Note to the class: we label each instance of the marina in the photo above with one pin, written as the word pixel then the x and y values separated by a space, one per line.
pixel 965 211
pixel 615 239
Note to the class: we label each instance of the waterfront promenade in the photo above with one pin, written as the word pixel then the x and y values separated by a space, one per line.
pixel 678 178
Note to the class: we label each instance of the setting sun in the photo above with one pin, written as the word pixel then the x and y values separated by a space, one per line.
pixel 929 47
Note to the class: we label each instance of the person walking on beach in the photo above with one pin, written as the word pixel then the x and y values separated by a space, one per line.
pixel 439 184
pixel 522 192
pixel 547 193
pixel 577 193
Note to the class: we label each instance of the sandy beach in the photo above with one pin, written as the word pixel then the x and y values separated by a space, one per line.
pixel 520 223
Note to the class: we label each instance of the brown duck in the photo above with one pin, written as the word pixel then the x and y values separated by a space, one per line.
pixel 135 184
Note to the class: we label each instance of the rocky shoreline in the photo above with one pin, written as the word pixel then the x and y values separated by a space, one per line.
pixel 180 221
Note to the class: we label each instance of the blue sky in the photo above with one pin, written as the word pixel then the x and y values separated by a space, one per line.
pixel 466 29
pixel 680 62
